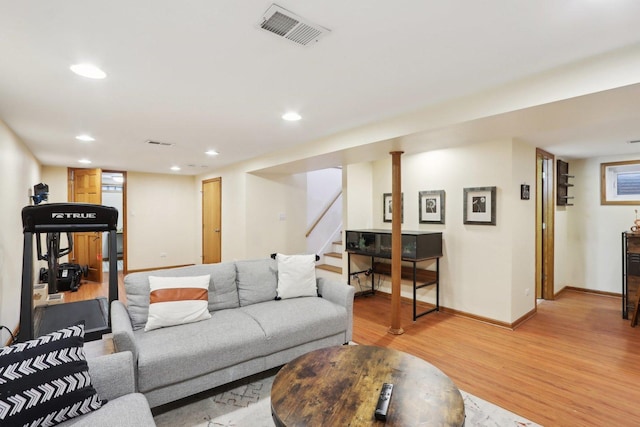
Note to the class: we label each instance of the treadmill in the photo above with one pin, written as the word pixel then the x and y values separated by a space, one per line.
pixel 66 217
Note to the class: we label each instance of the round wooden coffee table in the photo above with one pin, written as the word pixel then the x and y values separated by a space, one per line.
pixel 339 386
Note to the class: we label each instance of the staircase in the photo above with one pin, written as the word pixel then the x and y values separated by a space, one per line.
pixel 331 266
pixel 324 235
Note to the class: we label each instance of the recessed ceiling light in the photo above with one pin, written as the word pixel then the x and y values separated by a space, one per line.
pixel 291 116
pixel 175 168
pixel 85 138
pixel 88 70
pixel 211 153
pixel 84 161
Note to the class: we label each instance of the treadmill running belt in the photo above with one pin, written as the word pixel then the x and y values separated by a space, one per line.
pixel 50 318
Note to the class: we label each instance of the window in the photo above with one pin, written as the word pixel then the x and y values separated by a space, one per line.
pixel 620 183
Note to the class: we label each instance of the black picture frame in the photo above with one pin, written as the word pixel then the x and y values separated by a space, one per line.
pixel 386 207
pixel 432 207
pixel 479 205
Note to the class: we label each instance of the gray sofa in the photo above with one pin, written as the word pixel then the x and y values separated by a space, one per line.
pixel 113 378
pixel 249 330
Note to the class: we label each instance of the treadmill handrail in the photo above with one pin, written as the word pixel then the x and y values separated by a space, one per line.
pixel 69 217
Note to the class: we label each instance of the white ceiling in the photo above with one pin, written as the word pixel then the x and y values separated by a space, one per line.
pixel 200 74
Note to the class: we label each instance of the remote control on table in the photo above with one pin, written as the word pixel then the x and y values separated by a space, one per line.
pixel 383 402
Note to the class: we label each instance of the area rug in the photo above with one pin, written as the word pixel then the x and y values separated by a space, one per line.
pixel 246 403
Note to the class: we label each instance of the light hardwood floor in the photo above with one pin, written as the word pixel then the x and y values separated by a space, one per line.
pixel 575 363
pixel 91 290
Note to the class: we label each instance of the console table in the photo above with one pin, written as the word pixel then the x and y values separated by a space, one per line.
pixel 417 246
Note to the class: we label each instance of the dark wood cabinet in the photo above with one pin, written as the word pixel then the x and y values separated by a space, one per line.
pixel 630 271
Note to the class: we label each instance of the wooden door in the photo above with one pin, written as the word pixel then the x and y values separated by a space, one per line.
pixel 211 220
pixel 85 186
pixel 544 225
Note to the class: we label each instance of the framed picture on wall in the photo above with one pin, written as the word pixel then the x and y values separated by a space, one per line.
pixel 479 205
pixel 431 207
pixel 387 207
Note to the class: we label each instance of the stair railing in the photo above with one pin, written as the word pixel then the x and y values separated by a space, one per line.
pixel 324 212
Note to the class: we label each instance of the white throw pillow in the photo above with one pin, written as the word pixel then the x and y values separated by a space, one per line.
pixel 177 300
pixel 296 276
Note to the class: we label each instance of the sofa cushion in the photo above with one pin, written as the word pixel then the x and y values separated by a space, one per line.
pixel 195 349
pixel 291 322
pixel 222 288
pixel 128 410
pixel 296 276
pixel 257 280
pixel 177 300
pixel 223 291
pixel 46 381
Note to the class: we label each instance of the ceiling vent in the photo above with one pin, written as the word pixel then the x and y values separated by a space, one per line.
pixel 162 144
pixel 284 23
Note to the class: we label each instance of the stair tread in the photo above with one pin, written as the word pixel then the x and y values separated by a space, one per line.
pixel 334 254
pixel 328 267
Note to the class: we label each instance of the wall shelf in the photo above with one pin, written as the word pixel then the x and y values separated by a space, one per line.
pixel 562 184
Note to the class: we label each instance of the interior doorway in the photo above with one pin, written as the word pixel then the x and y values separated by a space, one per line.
pixel 545 205
pixel 105 187
pixel 114 193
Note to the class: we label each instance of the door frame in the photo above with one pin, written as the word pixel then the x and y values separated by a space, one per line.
pixel 125 267
pixel 545 224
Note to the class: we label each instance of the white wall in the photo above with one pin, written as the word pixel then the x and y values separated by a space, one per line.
pixel 357 210
pixel 19 172
pixel 115 199
pixel 522 214
pixel 162 228
pixel 485 270
pixel 593 238
pixel 56 178
pixel 276 215
pixel 358 196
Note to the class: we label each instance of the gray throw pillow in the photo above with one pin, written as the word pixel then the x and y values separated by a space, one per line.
pixel 257 280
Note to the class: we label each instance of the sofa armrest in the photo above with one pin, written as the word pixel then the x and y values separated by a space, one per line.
pixel 123 338
pixel 341 294
pixel 112 375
